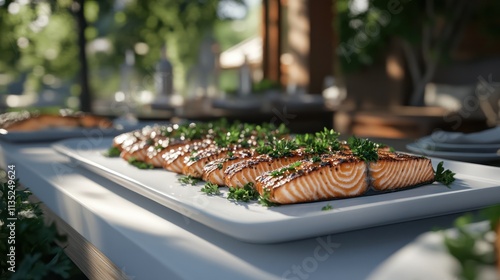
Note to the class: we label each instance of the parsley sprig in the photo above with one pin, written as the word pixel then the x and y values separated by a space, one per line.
pixel 363 148
pixel 327 207
pixel 445 177
pixel 277 148
pixel 289 168
pixel 140 164
pixel 189 180
pixel 265 199
pixel 245 194
pixel 321 142
pixel 211 189
pixel 112 152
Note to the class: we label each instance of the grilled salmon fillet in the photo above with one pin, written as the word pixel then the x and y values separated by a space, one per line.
pixel 247 170
pixel 399 170
pixel 213 171
pixel 174 159
pixel 154 154
pixel 336 176
pixel 194 164
pixel 343 175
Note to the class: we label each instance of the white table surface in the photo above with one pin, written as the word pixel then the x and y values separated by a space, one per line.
pixel 149 241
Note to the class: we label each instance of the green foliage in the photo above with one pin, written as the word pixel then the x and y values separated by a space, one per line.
pixel 265 200
pixel 36 252
pixel 38 43
pixel 289 168
pixel 245 194
pixel 363 148
pixel 446 177
pixel 189 180
pixel 321 142
pixel 112 152
pixel 464 245
pixel 211 189
pixel 39 46
pixel 277 148
pixel 327 207
pixel 140 164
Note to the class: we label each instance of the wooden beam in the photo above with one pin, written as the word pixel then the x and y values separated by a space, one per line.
pixel 321 47
pixel 271 34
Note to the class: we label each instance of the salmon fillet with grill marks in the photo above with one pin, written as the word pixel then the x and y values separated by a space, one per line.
pixel 246 171
pixel 194 164
pixel 337 176
pixel 154 154
pixel 399 170
pixel 213 172
pixel 343 175
pixel 174 159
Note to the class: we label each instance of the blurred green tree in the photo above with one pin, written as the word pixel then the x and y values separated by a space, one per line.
pixel 44 41
pixel 428 32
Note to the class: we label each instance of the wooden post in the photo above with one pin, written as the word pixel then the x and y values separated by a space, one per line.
pixel 271 34
pixel 85 93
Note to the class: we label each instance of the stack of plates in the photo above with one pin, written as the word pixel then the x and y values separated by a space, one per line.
pixel 473 147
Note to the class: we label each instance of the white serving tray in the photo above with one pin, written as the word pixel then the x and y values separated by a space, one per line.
pixel 476 186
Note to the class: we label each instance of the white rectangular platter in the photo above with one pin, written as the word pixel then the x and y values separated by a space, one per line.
pixel 476 186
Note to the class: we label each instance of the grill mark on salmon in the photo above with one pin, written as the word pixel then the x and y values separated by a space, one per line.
pixel 337 176
pixel 342 175
pixel 246 171
pixel 154 154
pixel 174 159
pixel 399 170
pixel 213 172
pixel 137 151
pixel 194 167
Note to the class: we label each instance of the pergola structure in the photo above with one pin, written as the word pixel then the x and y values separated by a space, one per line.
pixel 298 42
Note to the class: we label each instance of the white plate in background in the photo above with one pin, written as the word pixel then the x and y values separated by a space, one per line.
pixel 428 144
pixel 459 155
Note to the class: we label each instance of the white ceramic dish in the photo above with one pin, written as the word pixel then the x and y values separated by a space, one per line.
pixel 459 155
pixel 476 186
pixel 428 144
pixel 54 134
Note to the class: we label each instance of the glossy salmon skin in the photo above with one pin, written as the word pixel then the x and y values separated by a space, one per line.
pixel 213 171
pixel 394 171
pixel 246 171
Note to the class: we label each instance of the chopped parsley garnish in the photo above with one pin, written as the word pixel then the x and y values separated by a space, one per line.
pixel 277 148
pixel 316 159
pixel 140 164
pixel 244 194
pixel 363 148
pixel 185 180
pixel 211 189
pixel 220 166
pixel 290 168
pixel 320 142
pixel 265 200
pixel 112 152
pixel 445 177
pixel 327 207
